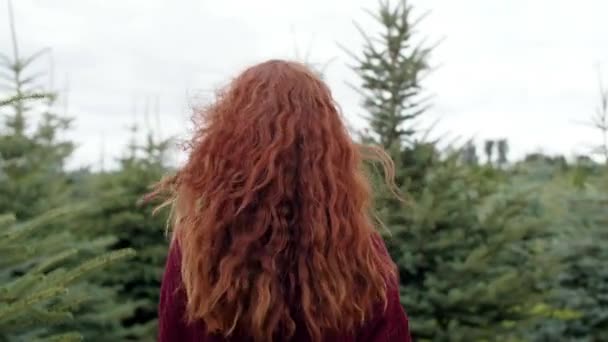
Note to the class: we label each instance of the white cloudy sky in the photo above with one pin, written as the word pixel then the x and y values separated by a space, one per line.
pixel 523 69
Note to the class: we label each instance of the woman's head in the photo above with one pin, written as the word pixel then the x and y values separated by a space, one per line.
pixel 272 211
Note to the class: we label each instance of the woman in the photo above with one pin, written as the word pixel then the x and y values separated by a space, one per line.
pixel 273 239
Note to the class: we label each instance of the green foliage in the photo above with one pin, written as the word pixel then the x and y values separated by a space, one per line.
pixel 33 182
pixel 459 244
pixel 32 155
pixel 121 213
pixel 391 70
pixel 463 233
pixel 580 215
pixel 38 277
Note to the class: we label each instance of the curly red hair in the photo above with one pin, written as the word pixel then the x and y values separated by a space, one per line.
pixel 272 211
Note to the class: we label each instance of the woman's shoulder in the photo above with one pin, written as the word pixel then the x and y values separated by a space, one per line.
pixel 389 322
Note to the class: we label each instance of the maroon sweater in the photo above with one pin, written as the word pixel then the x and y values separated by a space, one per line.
pixel 390 325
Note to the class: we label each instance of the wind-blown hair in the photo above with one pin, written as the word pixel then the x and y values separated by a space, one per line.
pixel 272 212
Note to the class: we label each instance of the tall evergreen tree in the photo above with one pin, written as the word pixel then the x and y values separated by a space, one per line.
pixel 33 181
pixel 43 295
pixel 32 153
pixel 391 71
pixel 489 151
pixel 461 237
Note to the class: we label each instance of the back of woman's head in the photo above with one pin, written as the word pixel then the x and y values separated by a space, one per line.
pixel 272 212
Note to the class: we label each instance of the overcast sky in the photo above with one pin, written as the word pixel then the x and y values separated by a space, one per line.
pixel 526 70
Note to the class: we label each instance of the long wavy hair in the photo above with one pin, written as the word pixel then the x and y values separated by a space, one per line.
pixel 272 211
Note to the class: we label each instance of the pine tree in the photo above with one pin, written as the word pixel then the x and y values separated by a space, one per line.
pixel 38 275
pixel 462 235
pixel 121 213
pixel 391 73
pixel 32 153
pixel 33 181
